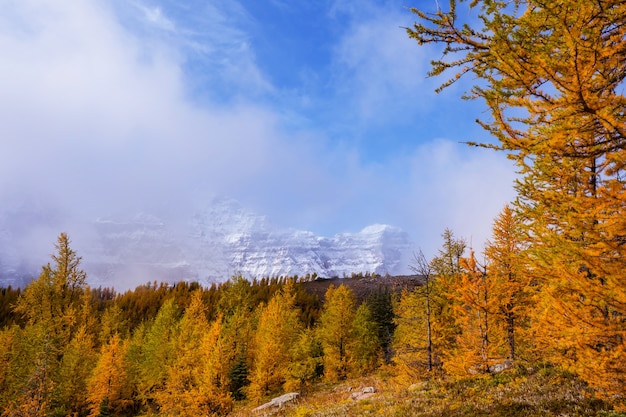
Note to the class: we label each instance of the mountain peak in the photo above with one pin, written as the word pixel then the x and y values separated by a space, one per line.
pixel 220 240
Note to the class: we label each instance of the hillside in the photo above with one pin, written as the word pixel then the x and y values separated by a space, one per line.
pixel 362 286
pixel 531 392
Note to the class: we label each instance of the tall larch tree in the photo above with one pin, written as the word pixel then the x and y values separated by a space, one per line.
pixel 7 350
pixel 277 331
pixel 182 393
pixel 79 359
pixel 552 75
pixel 447 269
pixel 478 340
pixel 512 284
pixel 50 306
pixel 335 331
pixel 366 349
pixel 306 361
pixel 156 354
pixel 215 369
pixel 237 307
pixel 416 338
pixel 109 391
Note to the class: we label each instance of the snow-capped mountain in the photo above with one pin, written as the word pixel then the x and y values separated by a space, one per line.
pixel 218 242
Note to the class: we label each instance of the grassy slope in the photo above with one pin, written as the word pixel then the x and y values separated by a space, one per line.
pixel 545 392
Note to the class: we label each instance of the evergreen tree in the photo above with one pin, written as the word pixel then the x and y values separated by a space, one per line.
pixel 380 304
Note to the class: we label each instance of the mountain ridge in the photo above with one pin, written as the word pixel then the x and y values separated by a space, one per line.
pixel 220 240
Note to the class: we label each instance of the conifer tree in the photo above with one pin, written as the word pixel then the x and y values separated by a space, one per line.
pixel 552 74
pixel 157 354
pixel 7 350
pixel 380 304
pixel 278 329
pixel 447 270
pixel 182 393
pixel 79 358
pixel 108 388
pixel 366 348
pixel 478 340
pixel 416 339
pixel 336 331
pixel 51 307
pixel 215 366
pixel 511 282
pixel 306 359
pixel 112 322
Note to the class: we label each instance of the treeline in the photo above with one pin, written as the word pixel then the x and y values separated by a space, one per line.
pixel 170 349
pixel 67 349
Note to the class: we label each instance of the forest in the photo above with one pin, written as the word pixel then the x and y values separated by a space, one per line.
pixel 548 291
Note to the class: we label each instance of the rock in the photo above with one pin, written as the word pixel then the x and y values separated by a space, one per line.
pixel 278 401
pixel 363 394
pixel 499 367
pixel 418 386
pixel 360 395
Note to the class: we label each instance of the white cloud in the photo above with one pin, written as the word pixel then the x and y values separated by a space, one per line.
pixel 453 186
pixel 378 70
pixel 92 114
pixel 155 16
pixel 97 119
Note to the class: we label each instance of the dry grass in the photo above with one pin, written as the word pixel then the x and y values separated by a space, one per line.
pixel 545 392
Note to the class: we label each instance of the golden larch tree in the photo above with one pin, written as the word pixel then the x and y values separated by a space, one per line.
pixel 415 340
pixel 277 331
pixel 552 75
pixel 335 331
pixel 182 393
pixel 477 342
pixel 108 389
pixel 512 283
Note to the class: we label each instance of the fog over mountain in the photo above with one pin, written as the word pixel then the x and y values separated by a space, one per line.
pixel 218 241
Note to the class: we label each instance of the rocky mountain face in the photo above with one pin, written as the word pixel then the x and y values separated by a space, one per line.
pixel 220 241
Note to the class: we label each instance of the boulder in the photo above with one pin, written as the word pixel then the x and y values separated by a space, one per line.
pixel 499 367
pixel 278 401
pixel 363 394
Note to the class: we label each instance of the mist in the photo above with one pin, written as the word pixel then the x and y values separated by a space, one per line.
pixel 102 121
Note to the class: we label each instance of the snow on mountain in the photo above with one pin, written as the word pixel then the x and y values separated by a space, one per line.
pixel 218 242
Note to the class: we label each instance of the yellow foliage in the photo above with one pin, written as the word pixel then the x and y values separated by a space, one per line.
pixel 275 335
pixel 109 385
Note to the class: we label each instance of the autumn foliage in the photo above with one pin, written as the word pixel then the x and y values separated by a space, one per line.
pixel 549 288
pixel 551 74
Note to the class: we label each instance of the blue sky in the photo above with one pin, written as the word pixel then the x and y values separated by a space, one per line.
pixel 317 114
